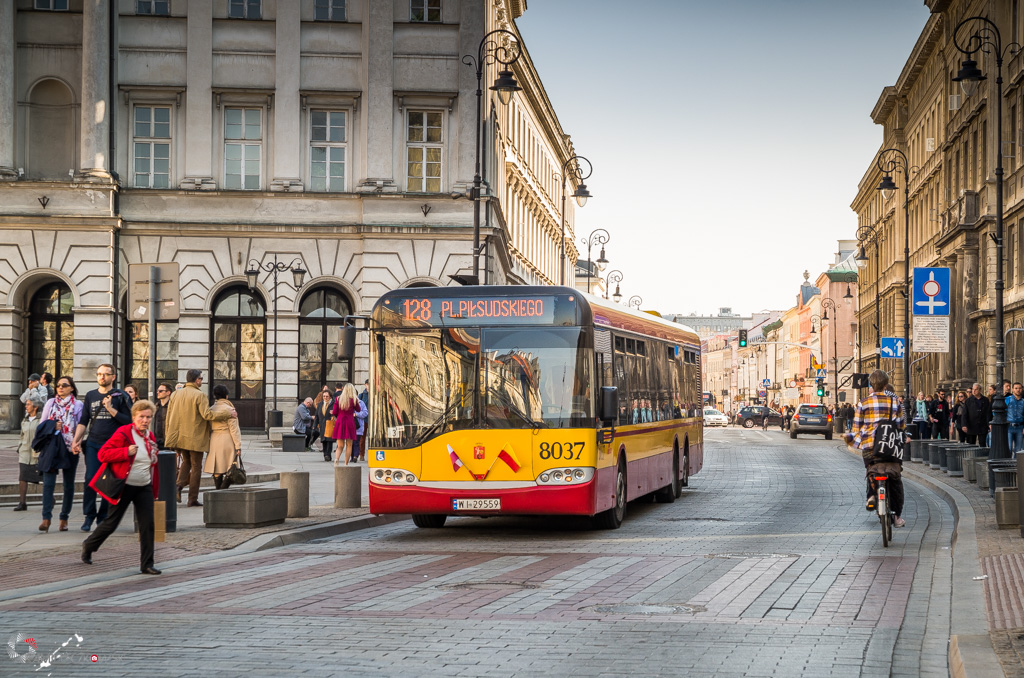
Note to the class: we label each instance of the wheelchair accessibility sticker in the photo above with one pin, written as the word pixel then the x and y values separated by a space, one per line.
pixel 380 455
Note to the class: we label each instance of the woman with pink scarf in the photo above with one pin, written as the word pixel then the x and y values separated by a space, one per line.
pixel 66 410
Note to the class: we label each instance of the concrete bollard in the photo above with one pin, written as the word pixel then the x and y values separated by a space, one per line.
pixel 348 487
pixel 297 484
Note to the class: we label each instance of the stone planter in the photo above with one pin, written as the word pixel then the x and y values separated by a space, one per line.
pixel 245 507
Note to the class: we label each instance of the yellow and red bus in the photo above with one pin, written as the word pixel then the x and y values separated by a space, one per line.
pixel 497 400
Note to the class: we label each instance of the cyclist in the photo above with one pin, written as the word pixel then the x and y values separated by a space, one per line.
pixel 879 406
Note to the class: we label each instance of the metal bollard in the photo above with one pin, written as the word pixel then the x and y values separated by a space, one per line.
pixel 167 467
pixel 348 487
pixel 297 484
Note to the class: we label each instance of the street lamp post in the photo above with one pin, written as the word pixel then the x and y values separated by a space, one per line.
pixel 490 51
pixel 252 277
pixel 817 319
pixel 987 40
pixel 613 277
pixel 580 194
pixel 598 237
pixel 877 236
pixel 889 161
pixel 635 301
pixel 826 304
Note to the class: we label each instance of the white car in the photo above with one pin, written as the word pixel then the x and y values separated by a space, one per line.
pixel 713 417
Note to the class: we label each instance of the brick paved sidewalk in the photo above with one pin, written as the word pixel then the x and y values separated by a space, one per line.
pixel 1001 556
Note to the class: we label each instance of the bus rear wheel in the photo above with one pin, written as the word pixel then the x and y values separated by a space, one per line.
pixel 428 519
pixel 613 517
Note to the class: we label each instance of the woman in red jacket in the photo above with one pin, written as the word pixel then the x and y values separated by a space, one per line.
pixel 131 453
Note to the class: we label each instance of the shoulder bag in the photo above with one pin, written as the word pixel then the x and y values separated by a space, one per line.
pixel 107 485
pixel 236 475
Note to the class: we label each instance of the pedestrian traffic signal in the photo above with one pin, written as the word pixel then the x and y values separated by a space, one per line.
pixel 743 338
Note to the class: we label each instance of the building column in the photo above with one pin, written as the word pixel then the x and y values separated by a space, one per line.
pixel 967 352
pixel 95 132
pixel 199 100
pixel 8 109
pixel 287 115
pixel 378 118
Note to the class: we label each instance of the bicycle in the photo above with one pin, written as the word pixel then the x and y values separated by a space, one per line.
pixel 886 516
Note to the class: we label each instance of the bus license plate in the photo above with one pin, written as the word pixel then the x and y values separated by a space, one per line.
pixel 476 504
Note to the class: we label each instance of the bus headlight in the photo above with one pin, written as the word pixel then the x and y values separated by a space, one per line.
pixel 379 474
pixel 392 475
pixel 398 475
pixel 563 477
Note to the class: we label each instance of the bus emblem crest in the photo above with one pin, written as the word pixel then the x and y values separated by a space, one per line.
pixel 478 452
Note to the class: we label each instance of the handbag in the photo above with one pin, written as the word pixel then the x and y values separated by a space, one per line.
pixel 107 485
pixel 236 474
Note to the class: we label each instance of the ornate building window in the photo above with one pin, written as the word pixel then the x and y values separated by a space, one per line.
pixel 424 145
pixel 320 316
pixel 152 147
pixel 243 148
pixel 329 10
pixel 237 351
pixel 425 10
pixel 327 151
pixel 51 332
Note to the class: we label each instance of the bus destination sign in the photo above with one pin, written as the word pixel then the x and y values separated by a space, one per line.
pixel 453 311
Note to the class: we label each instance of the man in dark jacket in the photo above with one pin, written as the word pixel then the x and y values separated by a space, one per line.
pixel 163 396
pixel 939 414
pixel 977 416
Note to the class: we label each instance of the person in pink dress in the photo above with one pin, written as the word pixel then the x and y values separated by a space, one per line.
pixel 344 410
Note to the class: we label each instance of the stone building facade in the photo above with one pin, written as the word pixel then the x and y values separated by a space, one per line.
pixel 336 134
pixel 950 138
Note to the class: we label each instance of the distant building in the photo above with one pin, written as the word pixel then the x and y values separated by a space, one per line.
pixel 709 325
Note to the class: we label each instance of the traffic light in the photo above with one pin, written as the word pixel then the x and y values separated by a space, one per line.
pixel 743 338
pixel 821 388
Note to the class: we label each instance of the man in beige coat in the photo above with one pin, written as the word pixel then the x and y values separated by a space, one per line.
pixel 187 430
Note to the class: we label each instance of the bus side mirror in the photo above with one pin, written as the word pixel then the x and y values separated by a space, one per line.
pixel 609 405
pixel 347 343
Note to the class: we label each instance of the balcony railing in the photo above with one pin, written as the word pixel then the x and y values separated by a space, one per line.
pixel 963 212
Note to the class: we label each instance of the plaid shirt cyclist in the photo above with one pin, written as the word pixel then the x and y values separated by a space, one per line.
pixel 873 409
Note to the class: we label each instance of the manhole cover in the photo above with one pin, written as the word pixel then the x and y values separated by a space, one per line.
pixel 646 610
pixel 487 586
pixel 752 555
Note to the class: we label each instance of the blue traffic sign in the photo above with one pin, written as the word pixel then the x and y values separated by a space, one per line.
pixel 931 291
pixel 892 347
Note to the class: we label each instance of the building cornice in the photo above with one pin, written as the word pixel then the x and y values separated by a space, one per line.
pixel 883 107
pixel 930 35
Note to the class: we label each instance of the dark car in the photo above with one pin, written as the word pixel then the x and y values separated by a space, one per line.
pixel 749 417
pixel 811 419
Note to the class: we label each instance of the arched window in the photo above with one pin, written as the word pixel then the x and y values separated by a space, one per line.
pixel 51 135
pixel 51 335
pixel 237 350
pixel 320 318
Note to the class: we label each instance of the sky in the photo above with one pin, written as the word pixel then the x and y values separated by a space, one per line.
pixel 727 137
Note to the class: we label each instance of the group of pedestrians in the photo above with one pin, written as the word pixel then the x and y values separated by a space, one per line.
pixel 336 418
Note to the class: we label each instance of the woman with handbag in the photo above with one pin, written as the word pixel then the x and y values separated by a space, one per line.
pixel 225 440
pixel 28 459
pixel 325 422
pixel 65 409
pixel 128 475
pixel 344 410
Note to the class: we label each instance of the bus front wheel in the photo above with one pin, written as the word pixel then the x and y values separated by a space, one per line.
pixel 428 520
pixel 613 517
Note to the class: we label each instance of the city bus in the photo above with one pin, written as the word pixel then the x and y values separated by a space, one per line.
pixel 527 400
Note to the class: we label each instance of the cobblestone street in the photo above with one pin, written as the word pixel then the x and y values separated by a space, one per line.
pixel 768 565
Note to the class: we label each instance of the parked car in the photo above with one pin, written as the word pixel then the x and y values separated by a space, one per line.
pixel 749 417
pixel 713 417
pixel 811 419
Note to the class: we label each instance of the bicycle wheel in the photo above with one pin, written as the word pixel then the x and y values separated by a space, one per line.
pixel 890 518
pixel 883 519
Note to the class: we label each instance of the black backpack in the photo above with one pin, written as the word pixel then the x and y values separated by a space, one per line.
pixel 888 441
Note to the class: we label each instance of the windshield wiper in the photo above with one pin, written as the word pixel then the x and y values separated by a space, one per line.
pixel 441 421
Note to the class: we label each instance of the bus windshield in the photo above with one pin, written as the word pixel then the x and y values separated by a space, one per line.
pixel 440 380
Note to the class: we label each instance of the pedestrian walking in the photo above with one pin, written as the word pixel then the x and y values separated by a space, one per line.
pixel 939 415
pixel 65 410
pixel 188 432
pixel 1015 417
pixel 28 458
pixel 302 423
pixel 225 439
pixel 365 398
pixel 977 413
pixel 131 454
pixel 159 425
pixel 782 418
pixel 36 389
pixel 361 413
pixel 325 422
pixel 132 393
pixel 921 430
pixel 46 379
pixel 764 419
pixel 105 409
pixel 344 410
pixel 958 417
